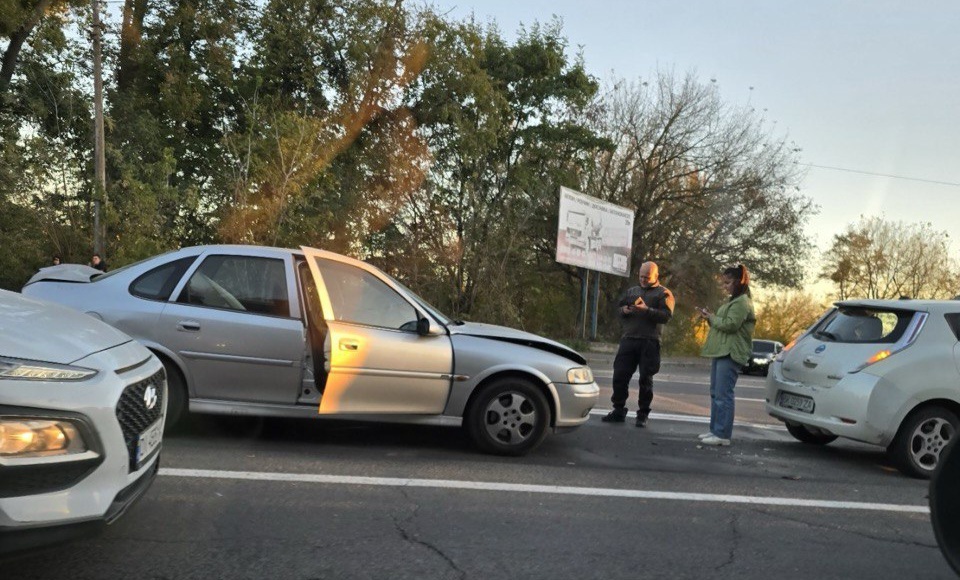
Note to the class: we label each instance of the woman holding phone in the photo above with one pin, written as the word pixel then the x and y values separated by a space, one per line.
pixel 729 344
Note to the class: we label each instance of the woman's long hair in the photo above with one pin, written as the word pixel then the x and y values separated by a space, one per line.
pixel 741 279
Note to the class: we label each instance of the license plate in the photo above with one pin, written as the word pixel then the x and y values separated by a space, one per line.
pixel 149 441
pixel 795 402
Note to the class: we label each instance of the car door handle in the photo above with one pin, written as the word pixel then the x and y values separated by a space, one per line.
pixel 188 326
pixel 349 344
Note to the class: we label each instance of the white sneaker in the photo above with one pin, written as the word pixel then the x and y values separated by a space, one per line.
pixel 704 435
pixel 714 440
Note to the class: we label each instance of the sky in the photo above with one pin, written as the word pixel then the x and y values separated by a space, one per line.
pixel 865 86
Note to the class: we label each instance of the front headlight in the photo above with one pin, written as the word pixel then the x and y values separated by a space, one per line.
pixel 36 437
pixel 579 375
pixel 30 370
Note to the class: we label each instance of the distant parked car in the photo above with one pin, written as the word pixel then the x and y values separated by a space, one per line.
pixel 309 333
pixel 764 351
pixel 81 421
pixel 885 372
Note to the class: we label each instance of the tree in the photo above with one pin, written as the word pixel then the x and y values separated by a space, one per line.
pixel 783 315
pixel 323 149
pixel 18 20
pixel 499 121
pixel 876 258
pixel 709 184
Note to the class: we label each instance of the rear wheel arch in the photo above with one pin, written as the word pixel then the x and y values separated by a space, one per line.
pixel 900 450
pixel 950 405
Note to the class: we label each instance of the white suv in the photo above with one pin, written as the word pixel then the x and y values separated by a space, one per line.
pixel 885 372
pixel 81 421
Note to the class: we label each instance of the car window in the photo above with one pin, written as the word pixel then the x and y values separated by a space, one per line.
pixel 762 346
pixel 360 297
pixel 244 283
pixel 954 321
pixel 863 325
pixel 158 283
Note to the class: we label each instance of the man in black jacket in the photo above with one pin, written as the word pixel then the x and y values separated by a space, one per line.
pixel 643 311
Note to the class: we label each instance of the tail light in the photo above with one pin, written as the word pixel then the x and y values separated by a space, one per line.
pixel 783 353
pixel 908 338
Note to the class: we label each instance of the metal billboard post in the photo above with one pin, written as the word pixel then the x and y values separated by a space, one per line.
pixel 593 306
pixel 584 284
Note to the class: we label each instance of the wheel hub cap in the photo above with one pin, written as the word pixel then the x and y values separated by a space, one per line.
pixel 510 418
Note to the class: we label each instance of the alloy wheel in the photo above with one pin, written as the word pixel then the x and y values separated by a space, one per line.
pixel 928 441
pixel 510 418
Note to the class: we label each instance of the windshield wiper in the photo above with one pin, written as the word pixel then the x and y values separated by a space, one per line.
pixel 828 334
pixel 459 322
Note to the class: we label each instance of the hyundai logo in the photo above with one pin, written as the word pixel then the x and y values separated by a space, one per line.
pixel 150 397
pixel 820 348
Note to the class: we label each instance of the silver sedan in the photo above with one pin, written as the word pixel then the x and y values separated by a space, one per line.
pixel 308 333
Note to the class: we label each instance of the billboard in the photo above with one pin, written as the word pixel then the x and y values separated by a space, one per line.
pixel 594 234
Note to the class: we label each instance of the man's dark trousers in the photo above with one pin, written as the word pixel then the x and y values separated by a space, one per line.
pixel 633 354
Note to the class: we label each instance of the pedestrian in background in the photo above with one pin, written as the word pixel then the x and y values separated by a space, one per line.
pixel 729 343
pixel 56 260
pixel 97 262
pixel 643 310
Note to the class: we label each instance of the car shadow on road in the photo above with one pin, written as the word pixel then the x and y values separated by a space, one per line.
pixel 269 431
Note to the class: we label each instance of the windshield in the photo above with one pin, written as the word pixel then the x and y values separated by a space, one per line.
pixel 762 346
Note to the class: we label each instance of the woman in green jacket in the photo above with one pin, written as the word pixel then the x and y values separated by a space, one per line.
pixel 729 344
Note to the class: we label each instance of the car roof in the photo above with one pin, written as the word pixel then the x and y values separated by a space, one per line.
pixel 906 304
pixel 244 248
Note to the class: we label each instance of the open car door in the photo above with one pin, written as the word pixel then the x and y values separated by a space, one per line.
pixel 379 362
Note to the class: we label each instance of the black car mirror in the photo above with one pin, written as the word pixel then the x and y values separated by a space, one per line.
pixel 426 327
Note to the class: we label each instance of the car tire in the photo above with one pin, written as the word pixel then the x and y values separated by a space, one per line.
pixel 919 444
pixel 805 435
pixel 509 416
pixel 176 395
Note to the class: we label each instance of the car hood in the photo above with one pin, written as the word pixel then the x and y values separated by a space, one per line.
pixel 65 273
pixel 504 334
pixel 37 330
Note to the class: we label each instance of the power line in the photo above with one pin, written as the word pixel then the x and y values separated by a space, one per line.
pixel 920 179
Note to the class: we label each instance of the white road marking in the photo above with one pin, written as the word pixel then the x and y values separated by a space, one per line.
pixel 692 419
pixel 545 489
pixel 674 379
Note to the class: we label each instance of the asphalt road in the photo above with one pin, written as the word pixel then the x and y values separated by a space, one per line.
pixel 245 498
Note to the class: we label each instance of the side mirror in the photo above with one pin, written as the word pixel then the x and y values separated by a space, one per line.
pixel 427 328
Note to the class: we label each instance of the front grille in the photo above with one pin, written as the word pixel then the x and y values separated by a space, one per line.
pixel 133 414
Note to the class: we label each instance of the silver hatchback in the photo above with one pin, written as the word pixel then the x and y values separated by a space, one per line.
pixel 308 333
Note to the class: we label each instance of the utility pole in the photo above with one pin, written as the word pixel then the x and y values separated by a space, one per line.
pixel 99 160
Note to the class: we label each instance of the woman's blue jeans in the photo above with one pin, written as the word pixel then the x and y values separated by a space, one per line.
pixel 723 378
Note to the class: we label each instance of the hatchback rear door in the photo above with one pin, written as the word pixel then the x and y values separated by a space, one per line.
pixel 842 342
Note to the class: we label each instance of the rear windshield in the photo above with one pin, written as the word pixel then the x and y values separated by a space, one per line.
pixel 762 346
pixel 868 325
